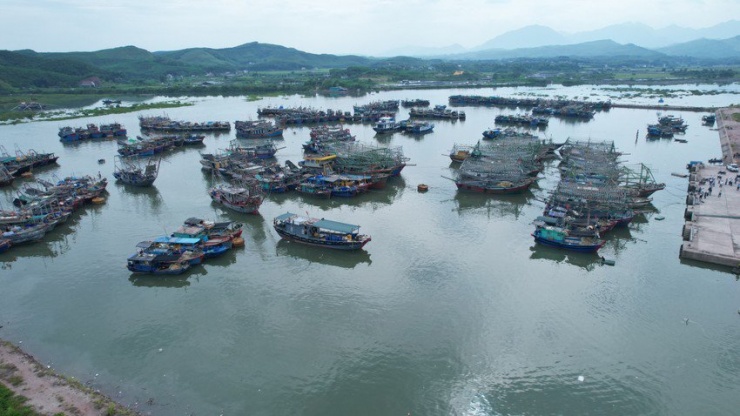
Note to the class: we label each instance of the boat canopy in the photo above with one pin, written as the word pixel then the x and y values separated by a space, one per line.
pixel 177 240
pixel 188 230
pixel 337 226
pixel 285 216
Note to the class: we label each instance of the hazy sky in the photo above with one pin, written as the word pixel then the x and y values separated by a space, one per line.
pixel 323 26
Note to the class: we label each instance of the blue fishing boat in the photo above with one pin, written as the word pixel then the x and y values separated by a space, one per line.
pixel 157 263
pixel 257 129
pixel 386 125
pixel 419 127
pixel 320 232
pixel 560 238
pixel 189 249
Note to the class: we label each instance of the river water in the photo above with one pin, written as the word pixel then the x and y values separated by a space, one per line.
pixel 450 309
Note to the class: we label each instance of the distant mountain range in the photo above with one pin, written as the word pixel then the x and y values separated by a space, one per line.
pixel 626 33
pixel 27 68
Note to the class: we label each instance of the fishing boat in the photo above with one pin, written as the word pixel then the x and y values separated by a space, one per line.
pixel 709 119
pixel 157 263
pixel 494 186
pixel 460 152
pixel 131 171
pixel 241 199
pixel 419 127
pixel 320 232
pixel 386 125
pixel 257 129
pixel 25 233
pixel 560 238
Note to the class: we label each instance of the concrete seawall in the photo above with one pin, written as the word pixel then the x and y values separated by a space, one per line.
pixel 712 230
pixel 666 107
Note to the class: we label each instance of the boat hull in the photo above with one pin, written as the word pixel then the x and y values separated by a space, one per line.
pixel 336 245
pixel 493 189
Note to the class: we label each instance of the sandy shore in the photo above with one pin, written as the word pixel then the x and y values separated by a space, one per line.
pixel 49 393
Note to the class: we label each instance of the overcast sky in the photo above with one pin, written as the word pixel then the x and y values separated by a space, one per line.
pixel 323 26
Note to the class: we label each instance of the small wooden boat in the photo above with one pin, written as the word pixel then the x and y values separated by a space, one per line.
pixel 240 199
pixel 320 232
pixel 560 238
pixel 422 187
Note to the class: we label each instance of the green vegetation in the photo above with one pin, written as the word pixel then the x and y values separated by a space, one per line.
pixel 12 404
pixel 736 117
pixel 17 116
pixel 257 70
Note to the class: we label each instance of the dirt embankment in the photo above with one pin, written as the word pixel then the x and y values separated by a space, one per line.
pixel 49 393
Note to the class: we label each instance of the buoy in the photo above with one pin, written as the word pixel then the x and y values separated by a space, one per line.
pixel 607 261
pixel 237 242
pixel 422 187
pixel 98 200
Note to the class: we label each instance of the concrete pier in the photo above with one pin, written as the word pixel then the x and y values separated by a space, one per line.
pixel 712 229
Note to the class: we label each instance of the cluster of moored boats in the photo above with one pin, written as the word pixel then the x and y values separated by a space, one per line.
pixel 154 144
pixel 12 166
pixel 595 194
pixel 439 112
pixel 667 126
pixel 344 168
pixel 501 167
pixel 38 209
pixel 522 120
pixel 190 245
pixel 560 108
pixel 165 124
pixel 91 131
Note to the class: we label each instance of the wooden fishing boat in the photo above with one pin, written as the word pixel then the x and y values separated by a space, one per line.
pixel 131 170
pixel 163 264
pixel 386 125
pixel 560 238
pixel 240 199
pixel 320 232
pixel 494 186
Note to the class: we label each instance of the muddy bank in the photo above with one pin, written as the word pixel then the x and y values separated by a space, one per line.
pixel 48 392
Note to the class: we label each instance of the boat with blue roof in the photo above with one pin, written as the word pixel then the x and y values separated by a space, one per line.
pixel 320 232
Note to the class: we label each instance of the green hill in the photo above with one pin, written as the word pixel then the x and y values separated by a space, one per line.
pixel 22 70
pixel 723 49
pixel 259 56
pixel 595 49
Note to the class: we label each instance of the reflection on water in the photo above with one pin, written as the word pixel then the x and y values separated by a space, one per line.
pixel 142 199
pixel 146 280
pixel 373 198
pixel 493 205
pixel 587 261
pixel 338 258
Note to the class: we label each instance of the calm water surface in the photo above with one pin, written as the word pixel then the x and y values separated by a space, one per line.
pixel 451 309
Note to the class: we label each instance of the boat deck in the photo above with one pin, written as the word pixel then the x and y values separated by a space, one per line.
pixel 712 229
